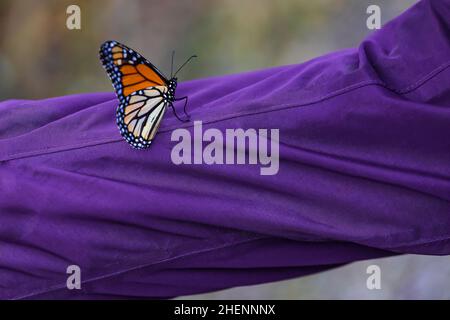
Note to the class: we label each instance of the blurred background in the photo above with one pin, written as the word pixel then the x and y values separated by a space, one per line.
pixel 40 57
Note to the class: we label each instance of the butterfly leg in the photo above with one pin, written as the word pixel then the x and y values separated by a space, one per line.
pixel 185 104
pixel 176 115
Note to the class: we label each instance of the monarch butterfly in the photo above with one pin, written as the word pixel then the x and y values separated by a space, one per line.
pixel 143 92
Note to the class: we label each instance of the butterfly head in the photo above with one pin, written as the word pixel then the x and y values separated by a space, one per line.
pixel 173 83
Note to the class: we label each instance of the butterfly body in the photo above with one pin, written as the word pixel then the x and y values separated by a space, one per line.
pixel 170 95
pixel 143 91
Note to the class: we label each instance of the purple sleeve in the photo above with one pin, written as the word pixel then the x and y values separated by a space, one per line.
pixel 364 172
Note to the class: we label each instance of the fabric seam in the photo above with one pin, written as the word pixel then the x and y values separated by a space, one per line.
pixel 141 266
pixel 350 88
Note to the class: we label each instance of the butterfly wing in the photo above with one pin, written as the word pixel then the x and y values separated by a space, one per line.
pixel 140 115
pixel 128 70
pixel 140 87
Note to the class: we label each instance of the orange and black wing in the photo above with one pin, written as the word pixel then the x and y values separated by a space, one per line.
pixel 128 70
pixel 140 87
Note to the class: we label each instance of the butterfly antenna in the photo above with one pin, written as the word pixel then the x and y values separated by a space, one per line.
pixel 191 57
pixel 171 66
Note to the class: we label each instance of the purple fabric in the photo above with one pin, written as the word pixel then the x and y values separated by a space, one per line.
pixel 364 172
